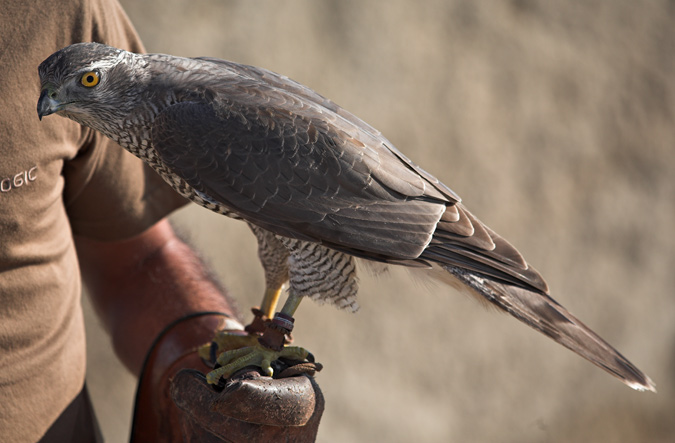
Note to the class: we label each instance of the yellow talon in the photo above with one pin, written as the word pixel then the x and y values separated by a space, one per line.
pixel 226 340
pixel 243 350
pixel 257 355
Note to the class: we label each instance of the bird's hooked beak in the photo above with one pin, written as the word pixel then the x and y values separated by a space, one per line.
pixel 48 104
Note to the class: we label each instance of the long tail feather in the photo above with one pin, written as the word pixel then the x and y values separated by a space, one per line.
pixel 544 314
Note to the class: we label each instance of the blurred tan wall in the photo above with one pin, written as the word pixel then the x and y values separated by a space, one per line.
pixel 555 123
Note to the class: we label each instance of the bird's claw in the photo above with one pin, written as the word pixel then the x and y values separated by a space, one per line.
pixel 226 340
pixel 256 355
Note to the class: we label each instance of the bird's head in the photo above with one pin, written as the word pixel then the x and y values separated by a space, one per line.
pixel 90 83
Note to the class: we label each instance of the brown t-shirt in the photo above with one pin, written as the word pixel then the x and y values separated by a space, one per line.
pixel 56 178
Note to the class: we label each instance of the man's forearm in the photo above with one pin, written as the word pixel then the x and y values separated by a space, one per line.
pixel 141 285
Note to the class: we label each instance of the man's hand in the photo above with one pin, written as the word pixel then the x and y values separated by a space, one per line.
pixel 251 408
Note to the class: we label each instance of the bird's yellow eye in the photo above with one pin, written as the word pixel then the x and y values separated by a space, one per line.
pixel 90 79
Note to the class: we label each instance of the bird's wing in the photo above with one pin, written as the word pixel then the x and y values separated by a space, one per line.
pixel 462 240
pixel 281 82
pixel 285 164
pixel 295 163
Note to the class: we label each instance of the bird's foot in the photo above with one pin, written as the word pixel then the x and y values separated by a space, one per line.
pixel 230 339
pixel 265 350
pixel 226 340
pixel 257 355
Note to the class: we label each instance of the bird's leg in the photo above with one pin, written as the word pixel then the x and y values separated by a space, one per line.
pixel 277 331
pixel 274 259
pixel 306 280
pixel 262 315
pixel 291 304
pixel 270 300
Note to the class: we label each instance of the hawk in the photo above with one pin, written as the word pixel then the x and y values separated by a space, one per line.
pixel 319 187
